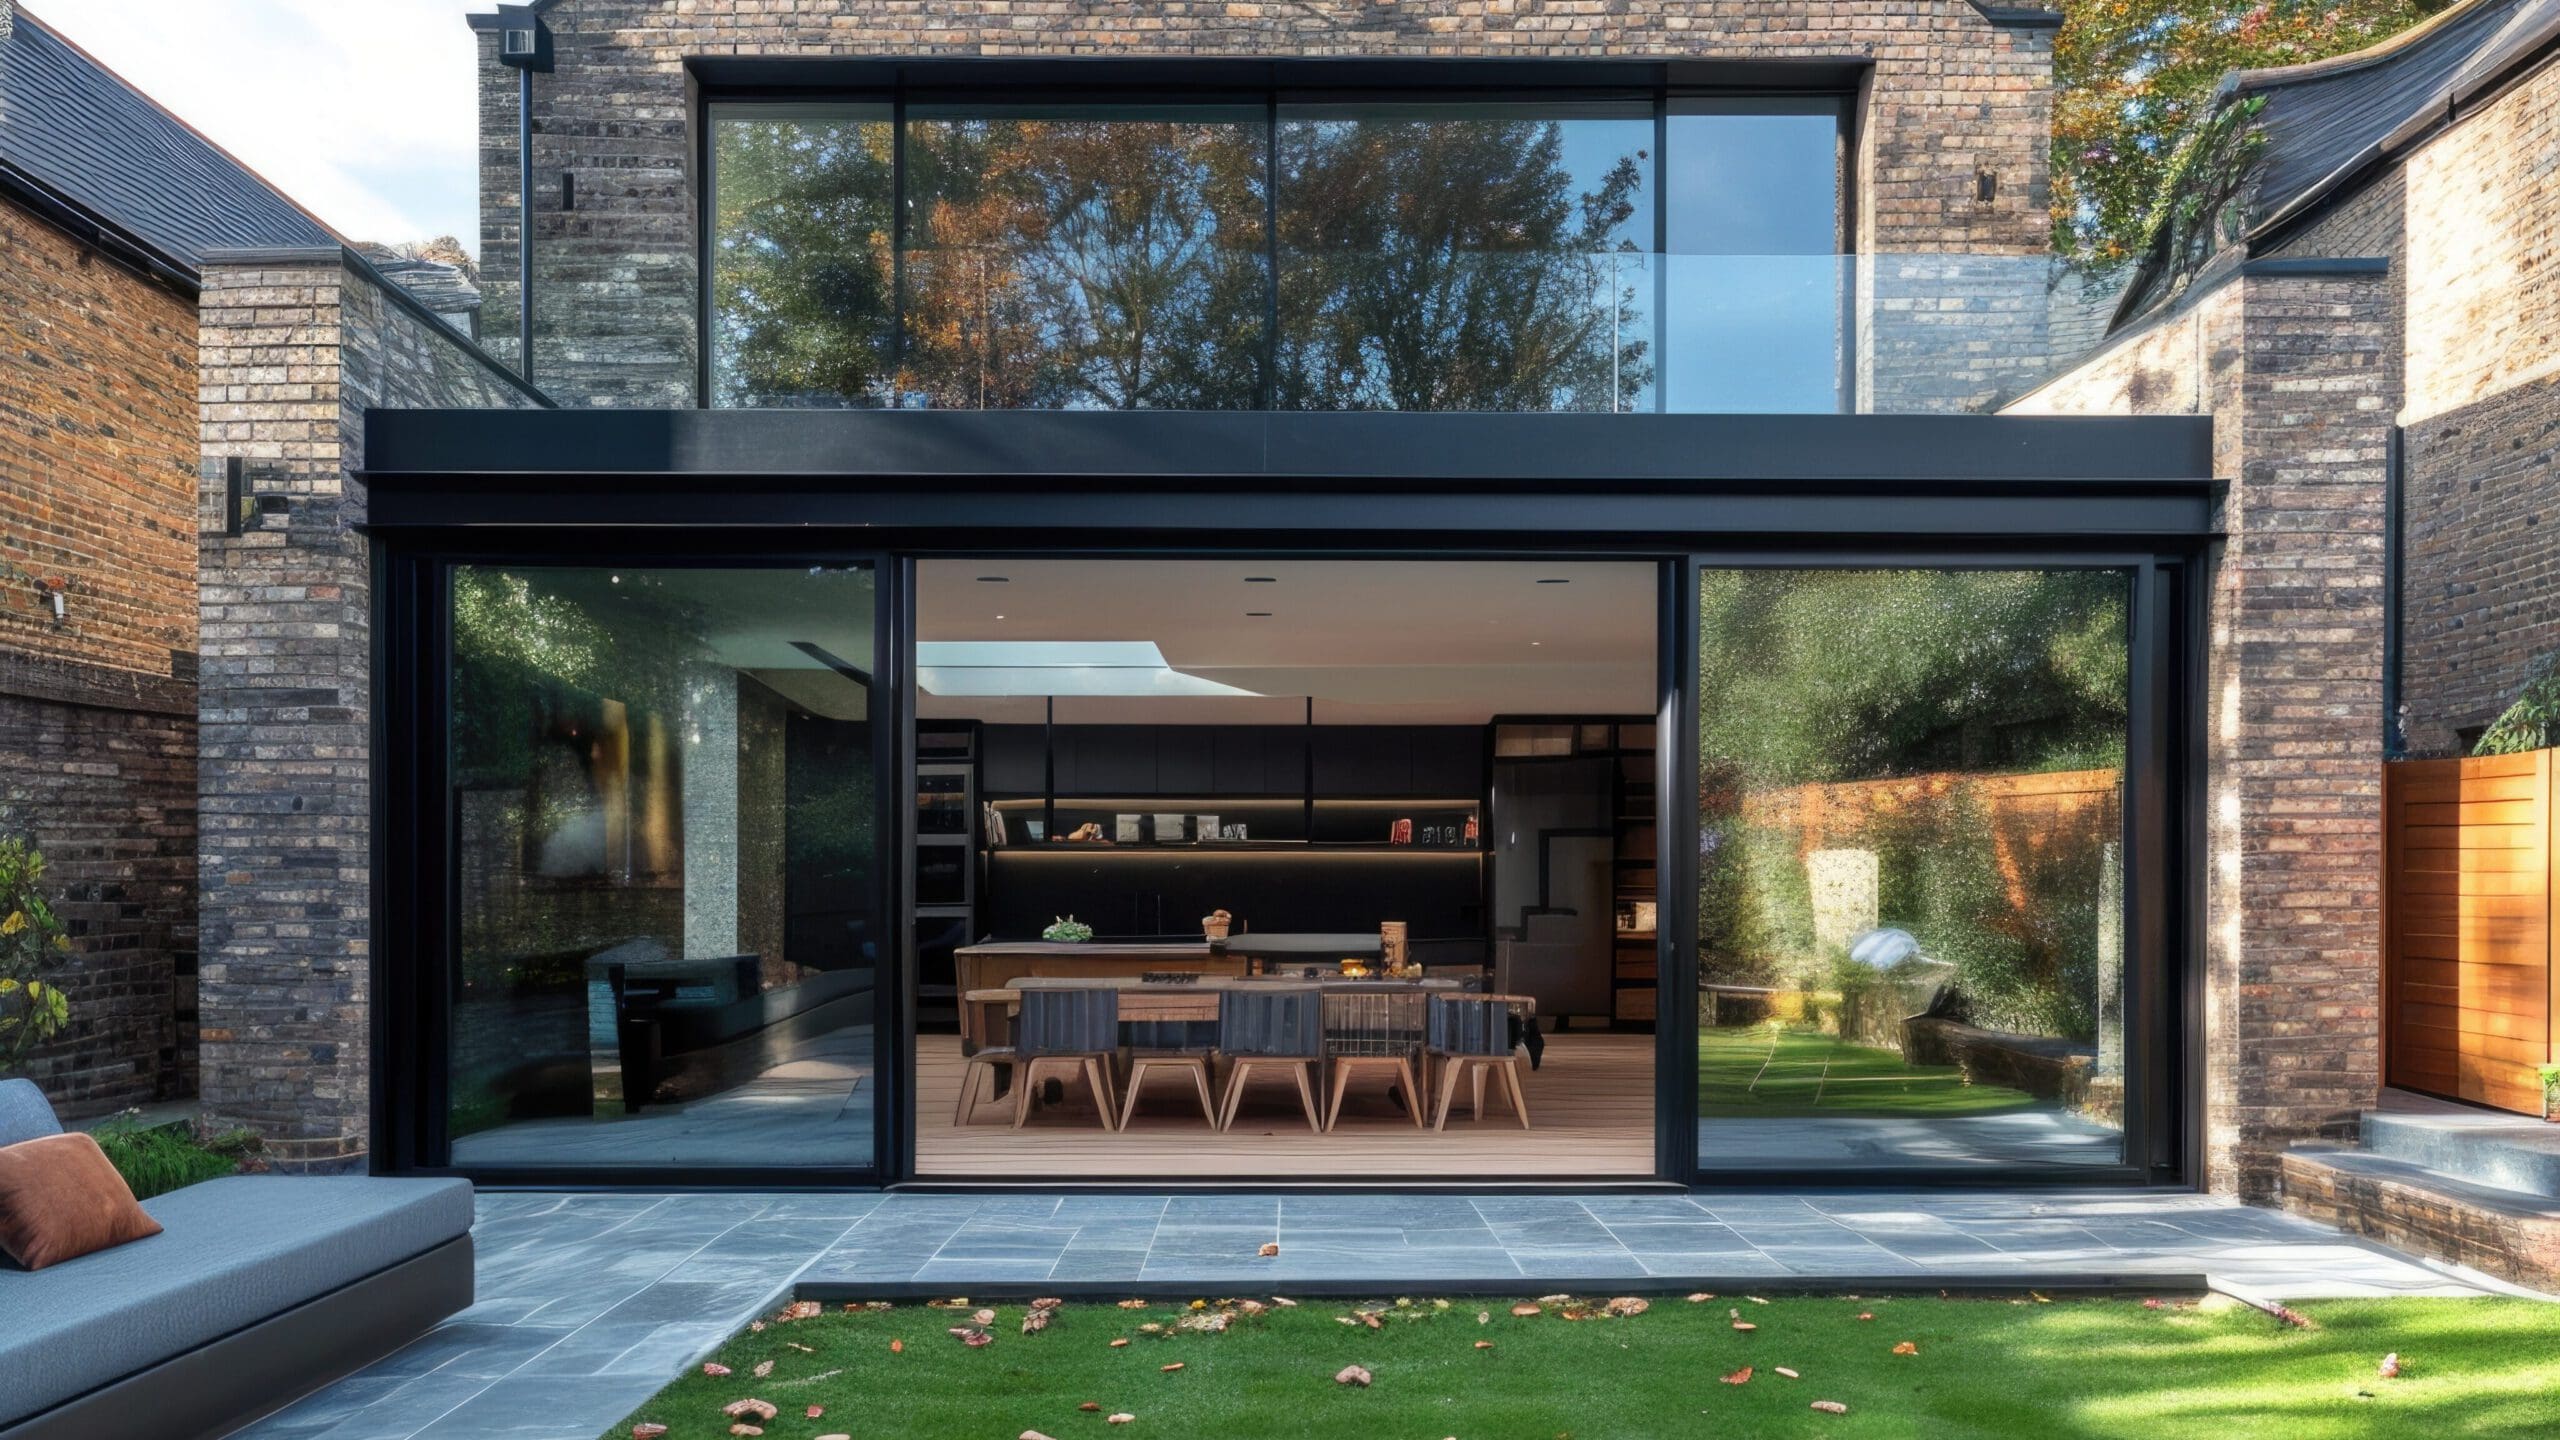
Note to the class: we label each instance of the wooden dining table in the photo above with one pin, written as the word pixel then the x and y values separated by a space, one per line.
pixel 985 1013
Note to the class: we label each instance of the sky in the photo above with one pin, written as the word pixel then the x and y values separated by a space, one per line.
pixel 362 110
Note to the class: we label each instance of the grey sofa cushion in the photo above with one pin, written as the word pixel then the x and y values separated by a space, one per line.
pixel 24 1115
pixel 231 1252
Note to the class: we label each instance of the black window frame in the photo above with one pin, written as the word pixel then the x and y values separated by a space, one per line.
pixel 1668 88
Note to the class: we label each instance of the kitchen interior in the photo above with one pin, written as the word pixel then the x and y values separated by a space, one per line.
pixel 1263 868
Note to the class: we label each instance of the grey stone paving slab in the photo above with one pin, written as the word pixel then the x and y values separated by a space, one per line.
pixel 589 1303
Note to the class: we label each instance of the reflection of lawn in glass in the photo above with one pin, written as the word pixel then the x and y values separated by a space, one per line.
pixel 1770 1072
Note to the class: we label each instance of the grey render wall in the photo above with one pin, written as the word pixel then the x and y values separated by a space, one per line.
pixel 1952 95
pixel 294 348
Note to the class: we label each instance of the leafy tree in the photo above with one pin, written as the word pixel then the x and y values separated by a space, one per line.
pixel 2532 720
pixel 1435 264
pixel 2134 79
pixel 800 263
pixel 33 945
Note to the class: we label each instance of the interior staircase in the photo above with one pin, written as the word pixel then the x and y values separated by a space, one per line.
pixel 2475 1187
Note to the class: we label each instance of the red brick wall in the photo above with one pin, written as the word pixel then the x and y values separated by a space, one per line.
pixel 97 714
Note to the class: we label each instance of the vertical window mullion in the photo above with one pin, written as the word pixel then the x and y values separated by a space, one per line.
pixel 1271 250
pixel 897 245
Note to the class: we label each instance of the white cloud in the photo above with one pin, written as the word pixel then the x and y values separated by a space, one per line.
pixel 364 111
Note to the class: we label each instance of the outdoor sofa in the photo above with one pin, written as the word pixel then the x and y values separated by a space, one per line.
pixel 258 1289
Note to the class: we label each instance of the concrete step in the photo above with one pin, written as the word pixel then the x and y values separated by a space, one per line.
pixel 2508 1233
pixel 2507 1152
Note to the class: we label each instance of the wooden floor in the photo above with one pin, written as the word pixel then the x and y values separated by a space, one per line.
pixel 1590 1104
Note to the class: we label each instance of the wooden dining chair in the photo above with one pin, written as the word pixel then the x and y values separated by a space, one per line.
pixel 1470 1037
pixel 986 1009
pixel 1373 1034
pixel 1271 1027
pixel 1175 1045
pixel 1063 1034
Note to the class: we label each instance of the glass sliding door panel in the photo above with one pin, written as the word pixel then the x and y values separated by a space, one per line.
pixel 1911 901
pixel 667 867
pixel 1466 256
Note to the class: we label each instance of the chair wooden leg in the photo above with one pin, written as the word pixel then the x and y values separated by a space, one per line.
pixel 1452 1070
pixel 1333 1102
pixel 1129 1097
pixel 1095 1080
pixel 1306 1093
pixel 1412 1090
pixel 1511 1082
pixel 1024 1083
pixel 1200 1078
pixel 1475 1108
pixel 1235 1092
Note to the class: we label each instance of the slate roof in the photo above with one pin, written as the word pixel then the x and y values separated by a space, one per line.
pixel 2327 116
pixel 78 131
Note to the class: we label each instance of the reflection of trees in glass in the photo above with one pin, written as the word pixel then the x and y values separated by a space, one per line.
pixel 1443 264
pixel 800 253
pixel 1813 678
pixel 1115 264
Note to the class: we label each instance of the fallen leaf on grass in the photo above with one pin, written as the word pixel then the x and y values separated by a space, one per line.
pixel 1629 1305
pixel 1133 1304
pixel 2390 1366
pixel 1036 1321
pixel 1033 1435
pixel 814 1412
pixel 1047 1304
pixel 1122 1417
pixel 897 1347
pixel 1169 1369
pixel 1123 1340
pixel 1739 1377
pixel 1284 1302
pixel 741 1409
pixel 1830 1407
pixel 1484 1317
pixel 983 1317
pixel 1738 1322
pixel 1524 1309
pixel 972 1336
pixel 743 1428
pixel 1268 1250
pixel 799 1310
pixel 1790 1374
pixel 715 1370
pixel 1906 1348
pixel 1091 1407
pixel 1484 1344
pixel 803 1349
pixel 763 1368
pixel 1866 1314
pixel 647 1430
pixel 1351 1375
pixel 1754 1299
pixel 2150 1304
pixel 1702 1297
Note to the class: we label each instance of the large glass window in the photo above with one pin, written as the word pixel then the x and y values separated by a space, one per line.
pixel 666 867
pixel 1085 258
pixel 1466 257
pixel 1755 284
pixel 1428 254
pixel 802 307
pixel 1911 908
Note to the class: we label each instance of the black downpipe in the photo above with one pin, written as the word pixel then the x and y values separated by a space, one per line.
pixel 2394 725
pixel 524 223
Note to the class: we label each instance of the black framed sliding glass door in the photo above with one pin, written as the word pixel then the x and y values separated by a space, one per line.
pixel 1932 870
pixel 668 942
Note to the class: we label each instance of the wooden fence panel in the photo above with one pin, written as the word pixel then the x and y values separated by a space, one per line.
pixel 2468 982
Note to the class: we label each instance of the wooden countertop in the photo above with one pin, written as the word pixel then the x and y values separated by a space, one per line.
pixel 1333 946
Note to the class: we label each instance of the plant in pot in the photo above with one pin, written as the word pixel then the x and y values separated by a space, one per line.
pixel 33 945
pixel 2551 1093
pixel 1069 929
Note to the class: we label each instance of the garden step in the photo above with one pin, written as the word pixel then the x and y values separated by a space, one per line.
pixel 2509 1233
pixel 2488 1147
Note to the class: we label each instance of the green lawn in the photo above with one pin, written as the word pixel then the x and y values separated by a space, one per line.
pixel 1765 1071
pixel 1984 1367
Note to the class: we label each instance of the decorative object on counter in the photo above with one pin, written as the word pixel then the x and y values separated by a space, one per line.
pixel 1128 829
pixel 1391 947
pixel 1637 916
pixel 1237 831
pixel 1090 832
pixel 1471 831
pixel 1354 968
pixel 1069 930
pixel 1035 830
pixel 1402 834
pixel 1204 827
pixel 1216 924
pixel 1171 829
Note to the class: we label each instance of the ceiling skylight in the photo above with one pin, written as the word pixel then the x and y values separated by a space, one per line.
pixel 1054 667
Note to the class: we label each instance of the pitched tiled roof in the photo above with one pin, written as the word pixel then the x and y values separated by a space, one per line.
pixel 77 131
pixel 2324 118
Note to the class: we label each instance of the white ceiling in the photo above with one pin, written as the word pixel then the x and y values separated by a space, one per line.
pixel 1425 642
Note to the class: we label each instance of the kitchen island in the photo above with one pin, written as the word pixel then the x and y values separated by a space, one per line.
pixel 996 964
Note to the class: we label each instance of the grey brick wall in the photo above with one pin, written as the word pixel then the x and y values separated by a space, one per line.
pixel 2294 371
pixel 294 349
pixel 615 285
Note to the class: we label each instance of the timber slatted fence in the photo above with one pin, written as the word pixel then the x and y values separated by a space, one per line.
pixel 2468 981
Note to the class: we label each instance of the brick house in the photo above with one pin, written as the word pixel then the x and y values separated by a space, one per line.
pixel 827 329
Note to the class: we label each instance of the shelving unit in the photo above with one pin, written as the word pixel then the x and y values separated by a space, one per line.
pixel 946 864
pixel 1439 825
pixel 1635 962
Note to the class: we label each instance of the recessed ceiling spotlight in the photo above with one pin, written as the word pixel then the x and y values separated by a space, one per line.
pixel 1555 581
pixel 999 617
pixel 1257 614
pixel 1262 579
pixel 994 579
pixel 1536 643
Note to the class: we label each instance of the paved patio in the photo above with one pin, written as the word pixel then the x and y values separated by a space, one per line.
pixel 589 1303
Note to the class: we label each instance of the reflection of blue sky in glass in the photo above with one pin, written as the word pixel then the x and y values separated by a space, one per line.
pixel 1754 284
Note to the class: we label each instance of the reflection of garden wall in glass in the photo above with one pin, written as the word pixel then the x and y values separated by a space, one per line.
pixel 1844 896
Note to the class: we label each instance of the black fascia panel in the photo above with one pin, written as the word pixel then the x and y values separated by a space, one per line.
pixel 1014 76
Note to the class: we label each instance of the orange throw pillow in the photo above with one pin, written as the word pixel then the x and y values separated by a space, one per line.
pixel 60 1198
